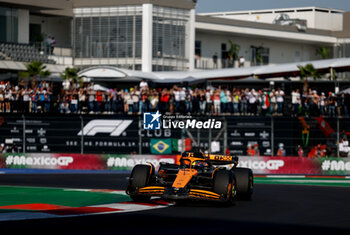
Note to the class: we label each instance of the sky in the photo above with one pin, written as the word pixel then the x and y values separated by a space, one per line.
pixel 237 5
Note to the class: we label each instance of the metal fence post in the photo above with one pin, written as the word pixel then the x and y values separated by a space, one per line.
pixel 209 148
pixel 24 134
pixel 140 135
pixel 272 137
pixel 338 137
pixel 225 135
pixel 183 132
pixel 198 137
pixel 82 135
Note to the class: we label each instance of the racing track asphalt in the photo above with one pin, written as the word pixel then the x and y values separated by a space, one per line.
pixel 281 209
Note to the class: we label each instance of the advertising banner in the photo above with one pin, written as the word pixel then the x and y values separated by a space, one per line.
pixel 69 134
pixel 80 161
pixel 249 131
pixel 296 165
pixel 119 134
pixel 120 162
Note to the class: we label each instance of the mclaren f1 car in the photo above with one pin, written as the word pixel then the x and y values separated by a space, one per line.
pixel 198 176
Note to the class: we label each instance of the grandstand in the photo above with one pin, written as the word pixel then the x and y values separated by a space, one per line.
pixel 23 53
pixel 189 65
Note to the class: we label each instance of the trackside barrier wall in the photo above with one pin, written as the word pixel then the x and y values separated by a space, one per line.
pixel 113 134
pixel 65 161
pixel 259 165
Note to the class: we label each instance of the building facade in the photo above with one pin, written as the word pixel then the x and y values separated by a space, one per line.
pixel 315 17
pixel 165 35
pixel 143 36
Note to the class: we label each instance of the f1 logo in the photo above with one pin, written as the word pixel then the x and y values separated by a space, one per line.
pixel 113 127
pixel 151 121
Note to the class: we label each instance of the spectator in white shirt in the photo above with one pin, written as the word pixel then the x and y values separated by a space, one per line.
pixel 296 101
pixel 252 99
pixel 273 102
pixel 2 85
pixel 280 101
pixel 322 102
pixel 26 99
pixel 209 101
pixel 135 96
pixel 182 99
pixel 143 85
pixel 177 99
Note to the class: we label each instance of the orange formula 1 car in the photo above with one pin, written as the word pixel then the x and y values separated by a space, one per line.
pixel 197 177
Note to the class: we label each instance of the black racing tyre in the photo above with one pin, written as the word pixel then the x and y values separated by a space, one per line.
pixel 244 184
pixel 223 179
pixel 139 178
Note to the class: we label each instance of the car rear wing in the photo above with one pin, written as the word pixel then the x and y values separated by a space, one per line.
pixel 217 159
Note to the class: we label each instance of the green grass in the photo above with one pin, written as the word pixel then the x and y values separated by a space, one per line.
pixel 13 195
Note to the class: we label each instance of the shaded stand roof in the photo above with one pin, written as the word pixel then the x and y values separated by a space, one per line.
pixel 110 73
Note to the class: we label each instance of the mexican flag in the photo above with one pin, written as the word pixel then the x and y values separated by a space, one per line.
pixel 265 101
pixel 179 145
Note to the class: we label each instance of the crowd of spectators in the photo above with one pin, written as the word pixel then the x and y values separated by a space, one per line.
pixel 72 98
pixel 313 104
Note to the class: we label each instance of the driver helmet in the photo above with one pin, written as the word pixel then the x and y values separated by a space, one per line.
pixel 198 154
pixel 185 162
pixel 199 164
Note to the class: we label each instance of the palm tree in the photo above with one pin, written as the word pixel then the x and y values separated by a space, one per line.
pixel 233 52
pixel 34 69
pixel 308 71
pixel 324 52
pixel 257 50
pixel 72 75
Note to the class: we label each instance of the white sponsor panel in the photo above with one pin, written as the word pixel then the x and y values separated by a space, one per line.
pixel 235 133
pixel 264 135
pixel 236 143
pixel 266 144
pixel 249 134
pixel 335 165
pixel 261 165
pixel 236 152
pixel 38 161
pixel 131 162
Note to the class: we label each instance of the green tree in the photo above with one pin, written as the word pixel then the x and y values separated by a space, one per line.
pixel 34 69
pixel 72 75
pixel 233 52
pixel 324 52
pixel 306 72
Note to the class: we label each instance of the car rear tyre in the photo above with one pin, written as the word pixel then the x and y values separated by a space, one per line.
pixel 139 178
pixel 244 177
